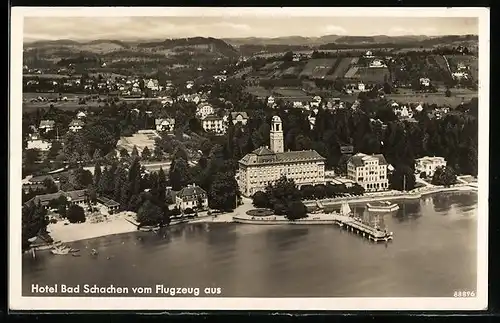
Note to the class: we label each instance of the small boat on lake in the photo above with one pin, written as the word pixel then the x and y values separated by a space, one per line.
pixel 60 250
pixel 383 206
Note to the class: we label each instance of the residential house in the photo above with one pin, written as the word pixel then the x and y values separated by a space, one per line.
pixel 76 125
pixel 424 81
pixel 47 125
pixel 81 115
pixel 78 197
pixel 192 197
pixel 241 117
pixel 110 205
pixel 368 54
pixel 270 101
pixel 316 101
pixel 215 124
pixel 203 110
pixel 165 124
pixel 38 182
pixel 377 63
pixel 428 165
pixel 152 84
pixel 35 142
pixel 361 87
pixel 369 171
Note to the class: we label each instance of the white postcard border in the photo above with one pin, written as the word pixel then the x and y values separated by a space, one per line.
pixel 18 302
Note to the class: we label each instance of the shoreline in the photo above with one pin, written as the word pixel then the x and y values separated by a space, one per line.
pixel 82 231
pixel 123 223
pixel 388 196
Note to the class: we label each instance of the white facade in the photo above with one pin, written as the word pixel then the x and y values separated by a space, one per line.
pixel 240 117
pixel 35 142
pixel 369 171
pixel 214 124
pixel 191 197
pixel 167 124
pixel 264 166
pixel 425 81
pixel 204 110
pixel 428 165
pixel 276 135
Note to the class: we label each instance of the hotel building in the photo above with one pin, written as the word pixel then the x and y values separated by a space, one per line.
pixel 264 166
pixel 369 171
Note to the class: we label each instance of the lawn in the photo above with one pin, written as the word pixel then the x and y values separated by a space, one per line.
pixel 467 60
pixel 67 106
pixel 318 68
pixel 342 68
pixel 439 98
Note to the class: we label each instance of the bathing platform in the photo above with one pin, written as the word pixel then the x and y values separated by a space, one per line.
pixel 364 230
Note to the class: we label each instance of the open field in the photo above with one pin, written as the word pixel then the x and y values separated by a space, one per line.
pixel 52 76
pixel 289 92
pixel 71 96
pixel 140 140
pixel 439 98
pixel 258 91
pixel 369 75
pixel 318 68
pixel 467 60
pixel 67 106
pixel 341 68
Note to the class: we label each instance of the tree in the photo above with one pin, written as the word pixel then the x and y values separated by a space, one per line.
pixel 223 191
pixel 149 214
pixel 179 174
pixel 387 88
pixel 34 220
pixel 50 186
pixel 146 154
pixel 402 179
pixel 296 210
pixel 260 200
pixel 288 57
pixel 135 152
pixel 124 153
pixel 188 211
pixel 447 93
pixel 161 187
pixel 444 176
pixel 320 191
pixel 97 173
pixel 283 191
pixel 75 214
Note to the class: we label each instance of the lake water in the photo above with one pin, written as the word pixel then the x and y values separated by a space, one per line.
pixel 433 254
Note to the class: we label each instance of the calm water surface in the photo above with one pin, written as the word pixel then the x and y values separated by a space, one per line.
pixel 432 255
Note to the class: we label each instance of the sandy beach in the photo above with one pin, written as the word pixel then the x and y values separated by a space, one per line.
pixel 80 231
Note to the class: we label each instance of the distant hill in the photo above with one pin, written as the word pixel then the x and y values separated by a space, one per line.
pixel 338 39
pixel 214 45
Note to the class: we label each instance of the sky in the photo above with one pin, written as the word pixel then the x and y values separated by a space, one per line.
pixel 127 28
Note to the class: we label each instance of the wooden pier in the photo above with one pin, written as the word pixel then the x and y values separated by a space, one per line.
pixel 362 229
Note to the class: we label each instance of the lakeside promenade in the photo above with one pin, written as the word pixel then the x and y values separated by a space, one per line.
pixel 124 222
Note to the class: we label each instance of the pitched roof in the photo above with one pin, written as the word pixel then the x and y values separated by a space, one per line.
pixel 166 120
pixel 191 192
pixel 234 115
pixel 359 159
pixel 45 198
pixel 77 122
pixel 75 195
pixel 107 202
pixel 265 156
pixel 41 178
pixel 47 123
